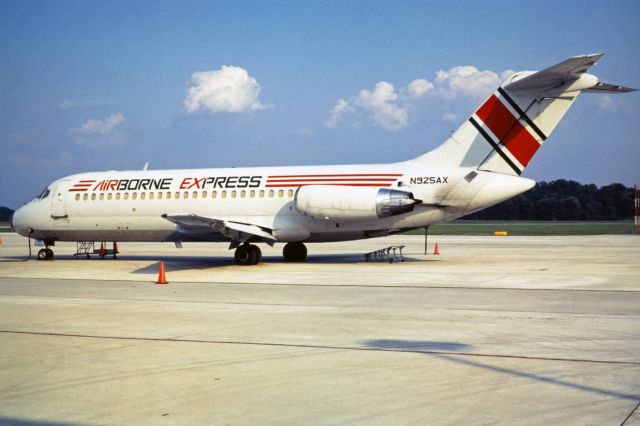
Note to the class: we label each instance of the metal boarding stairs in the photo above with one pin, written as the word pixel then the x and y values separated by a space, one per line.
pixel 387 254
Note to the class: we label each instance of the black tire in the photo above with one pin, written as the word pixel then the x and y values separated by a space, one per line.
pixel 43 254
pixel 49 254
pixel 294 252
pixel 257 253
pixel 244 255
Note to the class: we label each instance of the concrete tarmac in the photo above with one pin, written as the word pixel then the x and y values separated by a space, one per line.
pixel 495 330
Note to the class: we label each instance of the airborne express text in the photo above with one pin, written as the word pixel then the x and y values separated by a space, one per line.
pixel 186 183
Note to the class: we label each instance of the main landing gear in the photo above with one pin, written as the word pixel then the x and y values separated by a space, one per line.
pixel 295 252
pixel 248 254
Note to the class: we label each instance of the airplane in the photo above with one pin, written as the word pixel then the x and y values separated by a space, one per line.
pixel 478 166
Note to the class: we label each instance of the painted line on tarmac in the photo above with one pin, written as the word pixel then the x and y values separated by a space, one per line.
pixel 630 414
pixel 399 286
pixel 308 346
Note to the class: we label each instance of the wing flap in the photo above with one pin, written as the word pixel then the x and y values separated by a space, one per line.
pixel 193 223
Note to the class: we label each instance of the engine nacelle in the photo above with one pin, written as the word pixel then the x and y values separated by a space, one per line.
pixel 352 203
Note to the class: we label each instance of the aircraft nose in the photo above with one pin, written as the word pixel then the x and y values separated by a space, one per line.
pixel 18 221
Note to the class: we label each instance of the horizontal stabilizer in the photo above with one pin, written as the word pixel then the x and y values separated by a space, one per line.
pixel 609 88
pixel 556 75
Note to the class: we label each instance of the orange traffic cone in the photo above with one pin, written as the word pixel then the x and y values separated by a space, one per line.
pixel 102 252
pixel 161 278
pixel 436 251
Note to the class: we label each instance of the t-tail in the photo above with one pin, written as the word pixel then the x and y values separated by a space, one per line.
pixel 507 130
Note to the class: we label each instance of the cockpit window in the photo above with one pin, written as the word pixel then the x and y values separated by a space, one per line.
pixel 44 194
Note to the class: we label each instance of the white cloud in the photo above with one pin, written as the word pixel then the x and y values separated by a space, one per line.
pixel 100 127
pixel 467 80
pixel 379 104
pixel 338 111
pixel 418 88
pixel 606 103
pixel 390 110
pixel 382 106
pixel 98 133
pixel 450 117
pixel 228 89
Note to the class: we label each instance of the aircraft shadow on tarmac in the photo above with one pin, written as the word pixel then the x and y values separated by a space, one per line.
pixel 23 422
pixel 184 263
pixel 454 352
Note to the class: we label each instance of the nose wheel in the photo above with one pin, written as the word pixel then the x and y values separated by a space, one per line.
pixel 45 254
pixel 248 254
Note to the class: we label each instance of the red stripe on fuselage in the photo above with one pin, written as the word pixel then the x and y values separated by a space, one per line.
pixel 333 180
pixel 335 175
pixel 278 185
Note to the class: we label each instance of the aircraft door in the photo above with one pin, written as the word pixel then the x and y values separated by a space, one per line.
pixel 59 200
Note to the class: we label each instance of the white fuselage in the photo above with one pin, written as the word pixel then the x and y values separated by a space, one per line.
pixel 129 205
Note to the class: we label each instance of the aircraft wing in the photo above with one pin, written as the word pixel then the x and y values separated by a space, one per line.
pixel 238 232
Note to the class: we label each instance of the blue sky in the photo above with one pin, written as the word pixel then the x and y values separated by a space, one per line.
pixel 108 85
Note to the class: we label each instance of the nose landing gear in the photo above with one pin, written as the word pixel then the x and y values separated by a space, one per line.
pixel 45 254
pixel 248 254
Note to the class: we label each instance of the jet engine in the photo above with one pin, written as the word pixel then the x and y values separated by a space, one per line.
pixel 352 203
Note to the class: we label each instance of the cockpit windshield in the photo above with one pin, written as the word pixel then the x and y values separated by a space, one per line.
pixel 44 194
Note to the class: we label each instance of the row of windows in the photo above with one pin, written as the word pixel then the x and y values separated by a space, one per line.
pixel 185 195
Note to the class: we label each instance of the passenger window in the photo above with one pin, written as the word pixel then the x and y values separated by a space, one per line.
pixel 109 196
pixel 159 195
pixel 262 193
pixel 252 194
pixel 85 197
pixel 271 193
pixel 168 195
pixel 126 195
pixel 204 194
pixel 243 193
pixel 117 196
pixel 194 195
pixel 143 195
pixel 151 195
pixel 101 196
pixel 280 193
pixel 233 194
pixel 224 194
pixel 176 195
pixel 93 197
pixel 290 193
pixel 185 195
pixel 214 194
pixel 134 195
pixel 77 197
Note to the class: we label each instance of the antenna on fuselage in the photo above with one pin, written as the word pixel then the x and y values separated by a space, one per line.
pixel 146 166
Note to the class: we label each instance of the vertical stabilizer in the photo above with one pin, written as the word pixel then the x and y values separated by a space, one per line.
pixel 507 130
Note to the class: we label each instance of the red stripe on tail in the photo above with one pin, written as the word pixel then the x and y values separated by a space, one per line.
pixel 506 127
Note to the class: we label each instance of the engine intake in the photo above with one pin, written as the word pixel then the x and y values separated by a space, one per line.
pixel 353 203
